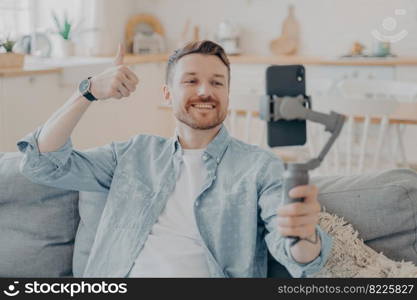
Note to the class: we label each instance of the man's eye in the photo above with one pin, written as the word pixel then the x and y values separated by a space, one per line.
pixel 190 81
pixel 218 83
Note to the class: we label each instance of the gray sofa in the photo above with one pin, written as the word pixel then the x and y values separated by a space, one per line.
pixel 47 232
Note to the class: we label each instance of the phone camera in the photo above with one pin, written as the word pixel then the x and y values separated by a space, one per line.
pixel 300 74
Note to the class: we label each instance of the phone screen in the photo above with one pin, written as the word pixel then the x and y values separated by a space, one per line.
pixel 286 80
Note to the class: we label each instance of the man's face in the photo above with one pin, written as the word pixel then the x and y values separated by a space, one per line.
pixel 199 91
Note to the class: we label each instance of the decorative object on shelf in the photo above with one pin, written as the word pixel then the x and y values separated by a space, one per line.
pixel 65 29
pixel 382 49
pixel 146 41
pixel 357 49
pixel 7 44
pixel 147 31
pixel 289 41
pixel 228 37
pixel 10 59
pixel 37 44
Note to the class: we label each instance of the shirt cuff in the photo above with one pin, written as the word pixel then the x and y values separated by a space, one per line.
pixel 308 269
pixel 29 146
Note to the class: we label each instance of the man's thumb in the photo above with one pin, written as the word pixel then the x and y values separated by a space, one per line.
pixel 118 60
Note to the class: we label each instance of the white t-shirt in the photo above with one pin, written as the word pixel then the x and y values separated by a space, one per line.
pixel 174 246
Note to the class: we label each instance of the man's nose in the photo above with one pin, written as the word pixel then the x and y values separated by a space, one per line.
pixel 204 90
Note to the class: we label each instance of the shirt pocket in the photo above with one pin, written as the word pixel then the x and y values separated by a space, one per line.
pixel 129 198
pixel 239 203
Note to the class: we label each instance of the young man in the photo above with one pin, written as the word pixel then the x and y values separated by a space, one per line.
pixel 201 204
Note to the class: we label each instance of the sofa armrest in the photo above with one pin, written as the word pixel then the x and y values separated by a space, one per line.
pixel 37 225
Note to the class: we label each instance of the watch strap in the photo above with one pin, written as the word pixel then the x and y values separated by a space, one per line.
pixel 87 94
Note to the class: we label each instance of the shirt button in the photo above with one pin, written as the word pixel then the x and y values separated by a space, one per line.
pixel 196 203
pixel 218 160
pixel 205 157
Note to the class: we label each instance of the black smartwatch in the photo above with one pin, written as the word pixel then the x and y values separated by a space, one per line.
pixel 84 89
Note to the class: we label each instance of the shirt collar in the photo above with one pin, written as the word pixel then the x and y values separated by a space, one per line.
pixel 216 148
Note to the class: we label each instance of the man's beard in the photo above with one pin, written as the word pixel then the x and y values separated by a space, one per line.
pixel 188 119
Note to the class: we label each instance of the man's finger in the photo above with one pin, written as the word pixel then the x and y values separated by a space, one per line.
pixel 118 60
pixel 298 209
pixel 130 75
pixel 309 192
pixel 131 85
pixel 298 221
pixel 301 231
pixel 123 90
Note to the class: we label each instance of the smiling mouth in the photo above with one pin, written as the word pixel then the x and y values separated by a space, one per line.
pixel 203 105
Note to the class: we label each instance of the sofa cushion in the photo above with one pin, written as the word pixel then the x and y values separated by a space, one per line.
pixel 37 225
pixel 381 206
pixel 91 205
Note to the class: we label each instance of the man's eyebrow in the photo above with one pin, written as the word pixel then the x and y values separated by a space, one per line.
pixel 189 74
pixel 195 73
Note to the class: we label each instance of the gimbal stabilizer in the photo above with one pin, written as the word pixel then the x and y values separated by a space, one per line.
pixel 273 108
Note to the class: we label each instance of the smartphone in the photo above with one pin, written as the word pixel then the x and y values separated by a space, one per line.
pixel 286 80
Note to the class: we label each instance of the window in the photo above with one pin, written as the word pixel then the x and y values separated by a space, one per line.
pixel 20 17
pixel 45 8
pixel 16 17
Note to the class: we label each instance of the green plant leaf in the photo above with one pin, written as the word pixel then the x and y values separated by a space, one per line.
pixel 8 44
pixel 64 26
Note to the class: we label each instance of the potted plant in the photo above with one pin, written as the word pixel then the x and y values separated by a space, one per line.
pixel 64 29
pixel 9 59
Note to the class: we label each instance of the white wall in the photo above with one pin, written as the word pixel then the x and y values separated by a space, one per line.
pixel 329 27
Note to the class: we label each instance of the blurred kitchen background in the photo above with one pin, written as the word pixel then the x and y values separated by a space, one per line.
pixel 360 58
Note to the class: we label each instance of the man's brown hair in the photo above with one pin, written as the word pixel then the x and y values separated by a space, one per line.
pixel 202 47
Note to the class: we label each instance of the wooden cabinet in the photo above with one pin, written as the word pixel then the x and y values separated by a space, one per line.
pixel 406 73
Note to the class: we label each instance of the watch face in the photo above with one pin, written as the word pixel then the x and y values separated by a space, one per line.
pixel 84 86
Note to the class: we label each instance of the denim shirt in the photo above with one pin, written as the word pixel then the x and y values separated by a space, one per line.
pixel 235 210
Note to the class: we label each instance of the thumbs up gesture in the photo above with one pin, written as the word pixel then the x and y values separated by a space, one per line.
pixel 116 82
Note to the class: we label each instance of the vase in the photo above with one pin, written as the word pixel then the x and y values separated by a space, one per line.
pixel 65 48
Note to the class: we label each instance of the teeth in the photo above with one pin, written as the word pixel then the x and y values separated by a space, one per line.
pixel 203 106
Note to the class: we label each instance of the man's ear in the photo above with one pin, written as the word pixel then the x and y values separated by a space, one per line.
pixel 167 95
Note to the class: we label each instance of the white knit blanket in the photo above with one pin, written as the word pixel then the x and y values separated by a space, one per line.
pixel 350 257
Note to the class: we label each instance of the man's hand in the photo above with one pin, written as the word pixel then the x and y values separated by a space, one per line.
pixel 116 82
pixel 300 219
